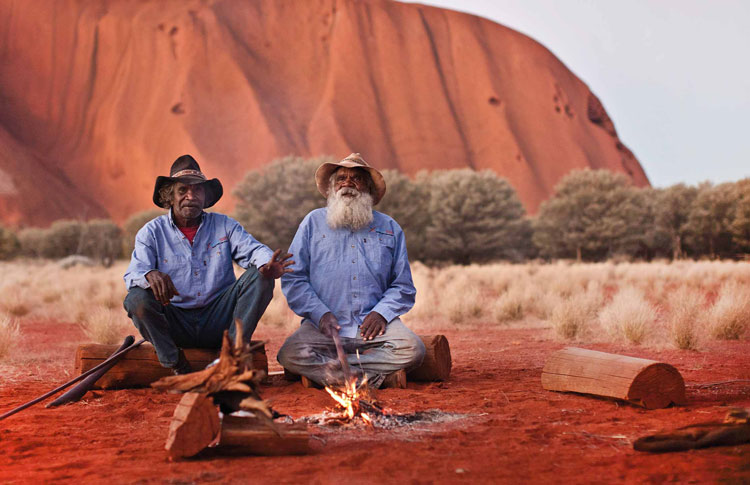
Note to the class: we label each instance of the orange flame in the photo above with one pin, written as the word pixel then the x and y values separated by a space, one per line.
pixel 348 399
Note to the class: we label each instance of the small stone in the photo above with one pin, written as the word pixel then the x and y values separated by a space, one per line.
pixel 460 470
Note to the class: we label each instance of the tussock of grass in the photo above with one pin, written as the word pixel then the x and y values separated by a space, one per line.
pixel 106 326
pixel 628 316
pixel 9 333
pixel 686 318
pixel 730 315
pixel 572 316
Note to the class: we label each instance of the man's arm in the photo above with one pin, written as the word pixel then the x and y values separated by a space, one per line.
pixel 142 260
pixel 399 297
pixel 246 250
pixel 296 286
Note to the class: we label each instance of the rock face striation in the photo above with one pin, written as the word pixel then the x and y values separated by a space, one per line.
pixel 97 98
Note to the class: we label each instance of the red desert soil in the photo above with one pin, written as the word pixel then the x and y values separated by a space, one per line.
pixel 97 96
pixel 515 430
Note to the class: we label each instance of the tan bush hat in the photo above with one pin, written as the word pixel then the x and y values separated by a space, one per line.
pixel 355 160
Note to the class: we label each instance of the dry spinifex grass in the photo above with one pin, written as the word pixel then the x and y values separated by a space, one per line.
pixel 628 316
pixel 9 333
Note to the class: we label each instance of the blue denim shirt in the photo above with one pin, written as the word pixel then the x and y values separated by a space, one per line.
pixel 349 273
pixel 200 271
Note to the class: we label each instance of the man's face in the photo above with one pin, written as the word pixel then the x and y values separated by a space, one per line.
pixel 350 178
pixel 188 200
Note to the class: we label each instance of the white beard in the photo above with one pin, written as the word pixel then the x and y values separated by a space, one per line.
pixel 351 212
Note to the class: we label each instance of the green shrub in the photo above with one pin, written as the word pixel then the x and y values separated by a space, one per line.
pixel 9 245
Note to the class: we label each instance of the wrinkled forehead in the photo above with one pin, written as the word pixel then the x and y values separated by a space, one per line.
pixel 183 185
pixel 351 172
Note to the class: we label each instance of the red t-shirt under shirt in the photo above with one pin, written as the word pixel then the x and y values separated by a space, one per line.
pixel 189 232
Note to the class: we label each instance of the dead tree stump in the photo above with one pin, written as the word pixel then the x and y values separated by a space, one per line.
pixel 140 367
pixel 195 424
pixel 643 382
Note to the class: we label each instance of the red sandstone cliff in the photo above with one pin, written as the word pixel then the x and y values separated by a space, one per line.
pixel 99 97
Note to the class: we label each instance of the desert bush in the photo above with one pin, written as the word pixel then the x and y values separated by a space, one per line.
pixel 686 318
pixel 9 332
pixel 510 306
pixel 104 325
pixel 572 316
pixel 9 245
pixel 709 223
pixel 65 237
pixel 272 201
pixel 406 201
pixel 730 314
pixel 133 225
pixel 740 225
pixel 34 242
pixel 474 217
pixel 101 240
pixel 593 214
pixel 628 316
pixel 671 213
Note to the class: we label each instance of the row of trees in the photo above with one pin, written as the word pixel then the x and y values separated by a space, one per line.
pixel 464 216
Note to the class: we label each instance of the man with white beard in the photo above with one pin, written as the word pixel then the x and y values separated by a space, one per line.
pixel 351 278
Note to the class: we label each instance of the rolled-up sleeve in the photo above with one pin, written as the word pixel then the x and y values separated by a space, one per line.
pixel 296 285
pixel 246 250
pixel 142 261
pixel 399 297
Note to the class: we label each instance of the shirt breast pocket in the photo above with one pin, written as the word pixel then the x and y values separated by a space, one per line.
pixel 379 249
pixel 174 265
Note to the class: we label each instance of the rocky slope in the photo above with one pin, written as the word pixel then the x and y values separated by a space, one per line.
pixel 99 97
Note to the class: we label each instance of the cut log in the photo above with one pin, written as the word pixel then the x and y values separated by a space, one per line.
pixel 140 367
pixel 436 365
pixel 643 382
pixel 249 436
pixel 195 425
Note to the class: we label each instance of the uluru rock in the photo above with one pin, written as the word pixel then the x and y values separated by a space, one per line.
pixel 97 98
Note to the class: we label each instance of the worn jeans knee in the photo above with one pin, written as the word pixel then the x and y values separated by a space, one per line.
pixel 139 301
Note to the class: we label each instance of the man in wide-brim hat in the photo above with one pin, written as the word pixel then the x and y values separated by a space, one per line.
pixel 352 278
pixel 182 291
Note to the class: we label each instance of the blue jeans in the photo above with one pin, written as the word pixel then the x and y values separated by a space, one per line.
pixel 309 353
pixel 169 328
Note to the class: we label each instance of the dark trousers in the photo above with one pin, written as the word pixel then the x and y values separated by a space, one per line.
pixel 169 328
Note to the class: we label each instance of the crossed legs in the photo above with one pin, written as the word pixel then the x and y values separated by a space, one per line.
pixel 309 353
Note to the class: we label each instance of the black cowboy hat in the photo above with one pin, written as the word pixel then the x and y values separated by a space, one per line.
pixel 186 170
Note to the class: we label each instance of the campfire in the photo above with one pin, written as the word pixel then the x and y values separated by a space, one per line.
pixel 354 404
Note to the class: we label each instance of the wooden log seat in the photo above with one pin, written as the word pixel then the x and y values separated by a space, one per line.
pixel 643 382
pixel 140 367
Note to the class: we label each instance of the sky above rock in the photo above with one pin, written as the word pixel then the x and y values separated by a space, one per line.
pixel 672 74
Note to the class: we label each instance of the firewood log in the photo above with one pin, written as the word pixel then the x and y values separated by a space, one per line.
pixel 643 382
pixel 195 425
pixel 249 436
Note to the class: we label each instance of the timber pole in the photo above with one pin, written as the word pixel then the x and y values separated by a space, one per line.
pixel 72 381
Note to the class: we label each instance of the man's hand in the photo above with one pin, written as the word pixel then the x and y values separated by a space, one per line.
pixel 373 326
pixel 162 286
pixel 329 324
pixel 277 266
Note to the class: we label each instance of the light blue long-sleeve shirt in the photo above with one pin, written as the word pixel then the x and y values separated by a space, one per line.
pixel 200 271
pixel 349 273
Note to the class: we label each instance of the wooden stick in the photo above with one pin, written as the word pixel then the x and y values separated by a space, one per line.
pixel 70 382
pixel 77 392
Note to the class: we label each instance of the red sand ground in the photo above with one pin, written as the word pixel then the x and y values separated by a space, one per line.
pixel 519 432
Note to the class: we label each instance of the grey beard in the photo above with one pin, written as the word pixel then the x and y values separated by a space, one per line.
pixel 353 213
